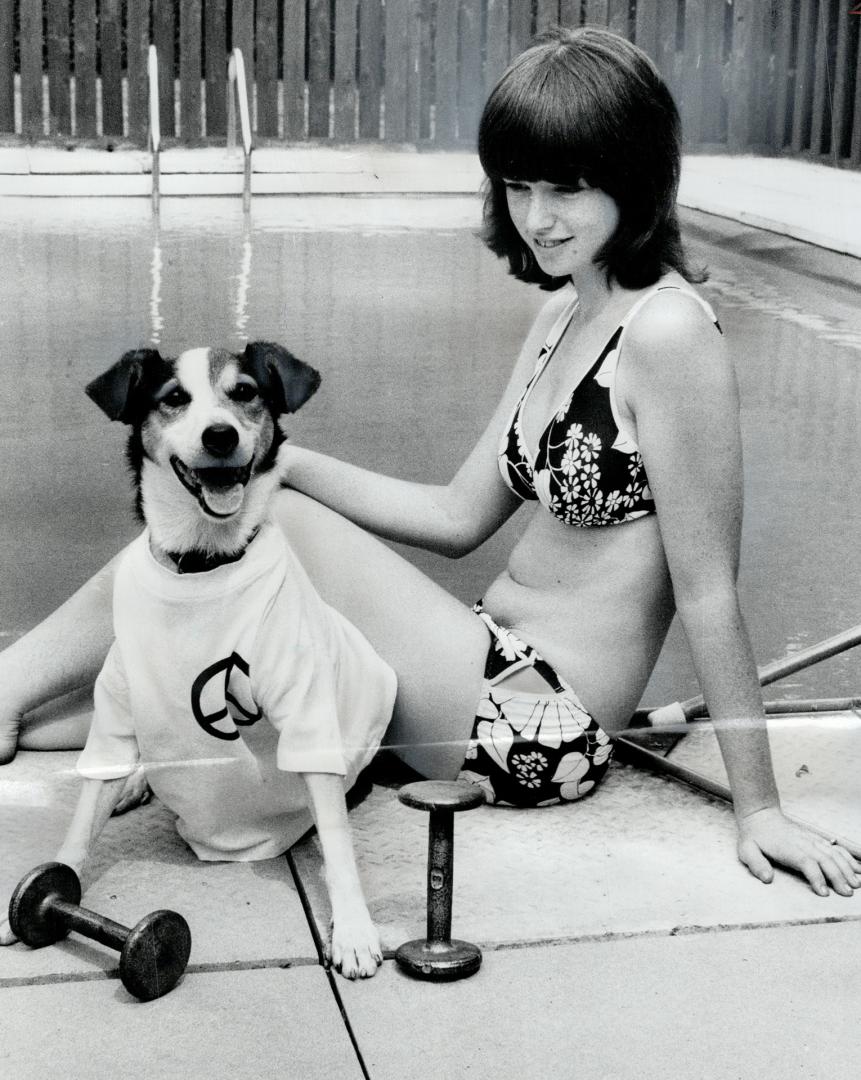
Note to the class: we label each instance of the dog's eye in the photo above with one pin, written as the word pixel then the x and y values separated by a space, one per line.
pixel 243 391
pixel 175 398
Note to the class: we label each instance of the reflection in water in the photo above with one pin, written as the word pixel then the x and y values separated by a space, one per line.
pixel 157 322
pixel 243 281
pixel 415 332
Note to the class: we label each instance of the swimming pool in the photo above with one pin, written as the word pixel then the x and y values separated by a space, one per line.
pixel 414 326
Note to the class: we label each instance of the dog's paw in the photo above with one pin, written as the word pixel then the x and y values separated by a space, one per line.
pixel 354 947
pixel 135 792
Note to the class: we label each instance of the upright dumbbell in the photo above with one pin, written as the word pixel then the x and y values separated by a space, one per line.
pixel 153 954
pixel 439 958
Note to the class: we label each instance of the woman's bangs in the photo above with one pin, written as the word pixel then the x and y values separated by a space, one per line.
pixel 520 142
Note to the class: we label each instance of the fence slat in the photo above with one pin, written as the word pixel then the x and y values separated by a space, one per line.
pixel 266 66
pixel 294 70
pixel 415 29
pixel 596 12
pixel 427 76
pixel 546 14
pixel 803 76
pixel 346 90
pixel 691 93
pixel 7 67
pixel 242 37
pixel 397 60
pixel 742 78
pixel 521 26
pixel 215 66
pixel 646 26
pixel 110 65
pixel 496 47
pixel 189 69
pixel 855 147
pixel 471 89
pixel 569 13
pixel 59 65
pixel 782 87
pixel 319 41
pixel 714 99
pixel 840 105
pixel 30 49
pixel 370 64
pixel 820 116
pixel 163 26
pixel 618 17
pixel 446 72
pixel 137 44
pixel 85 67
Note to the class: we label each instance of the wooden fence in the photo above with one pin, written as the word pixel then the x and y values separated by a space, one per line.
pixel 774 76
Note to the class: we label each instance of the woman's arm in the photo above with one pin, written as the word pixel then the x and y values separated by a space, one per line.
pixel 678 383
pixel 451 519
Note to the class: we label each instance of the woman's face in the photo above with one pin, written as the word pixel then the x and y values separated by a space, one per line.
pixel 564 227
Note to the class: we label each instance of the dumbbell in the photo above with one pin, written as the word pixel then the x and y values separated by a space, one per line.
pixel 153 954
pixel 439 958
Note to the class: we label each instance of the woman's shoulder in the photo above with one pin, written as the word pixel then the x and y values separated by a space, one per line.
pixel 672 315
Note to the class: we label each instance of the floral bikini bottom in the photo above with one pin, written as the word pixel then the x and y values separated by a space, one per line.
pixel 528 748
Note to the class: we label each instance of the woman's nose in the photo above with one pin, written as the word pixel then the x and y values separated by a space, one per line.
pixel 539 214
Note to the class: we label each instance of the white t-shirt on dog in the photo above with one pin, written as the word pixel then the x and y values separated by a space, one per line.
pixel 227 683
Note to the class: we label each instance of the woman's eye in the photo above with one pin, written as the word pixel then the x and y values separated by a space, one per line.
pixel 175 398
pixel 243 392
pixel 514 185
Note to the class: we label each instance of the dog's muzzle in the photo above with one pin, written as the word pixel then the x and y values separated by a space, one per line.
pixel 219 490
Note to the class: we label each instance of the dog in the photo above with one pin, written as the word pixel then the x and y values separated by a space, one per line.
pixel 229 679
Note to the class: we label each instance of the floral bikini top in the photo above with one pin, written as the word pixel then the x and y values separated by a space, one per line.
pixel 586 470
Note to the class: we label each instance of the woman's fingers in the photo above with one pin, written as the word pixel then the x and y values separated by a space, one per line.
pixel 768 835
pixel 755 861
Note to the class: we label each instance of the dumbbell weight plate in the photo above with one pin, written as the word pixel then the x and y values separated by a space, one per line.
pixel 30 923
pixel 155 955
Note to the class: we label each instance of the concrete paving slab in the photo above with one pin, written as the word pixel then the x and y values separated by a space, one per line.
pixel 642 854
pixel 240 1024
pixel 770 1004
pixel 238 912
pixel 817 761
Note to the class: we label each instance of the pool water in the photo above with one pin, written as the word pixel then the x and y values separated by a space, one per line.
pixel 414 326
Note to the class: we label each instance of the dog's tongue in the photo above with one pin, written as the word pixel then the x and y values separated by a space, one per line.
pixel 223 499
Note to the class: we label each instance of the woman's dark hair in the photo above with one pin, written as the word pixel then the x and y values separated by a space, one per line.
pixel 587 105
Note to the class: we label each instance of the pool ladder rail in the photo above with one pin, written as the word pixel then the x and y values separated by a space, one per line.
pixel 237 91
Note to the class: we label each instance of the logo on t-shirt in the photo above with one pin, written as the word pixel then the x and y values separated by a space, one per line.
pixel 222 692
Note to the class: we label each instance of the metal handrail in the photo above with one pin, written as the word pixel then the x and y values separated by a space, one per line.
pixel 154 125
pixel 236 78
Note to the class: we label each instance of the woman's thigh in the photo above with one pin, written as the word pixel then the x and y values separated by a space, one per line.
pixel 435 644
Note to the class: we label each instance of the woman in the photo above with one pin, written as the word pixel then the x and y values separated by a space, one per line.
pixel 620 425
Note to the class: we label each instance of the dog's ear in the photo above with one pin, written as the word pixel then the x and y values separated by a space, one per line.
pixel 119 390
pixel 284 379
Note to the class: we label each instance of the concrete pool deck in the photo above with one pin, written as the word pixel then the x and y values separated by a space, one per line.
pixel 629 944
pixel 804 200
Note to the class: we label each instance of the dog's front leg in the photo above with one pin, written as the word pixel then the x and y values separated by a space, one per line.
pixel 95 805
pixel 354 948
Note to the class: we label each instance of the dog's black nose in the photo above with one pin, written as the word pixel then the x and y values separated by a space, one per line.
pixel 220 439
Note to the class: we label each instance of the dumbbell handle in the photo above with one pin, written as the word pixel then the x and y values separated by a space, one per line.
pixel 440 875
pixel 88 923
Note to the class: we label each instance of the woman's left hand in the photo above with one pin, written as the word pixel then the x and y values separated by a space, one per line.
pixel 769 835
